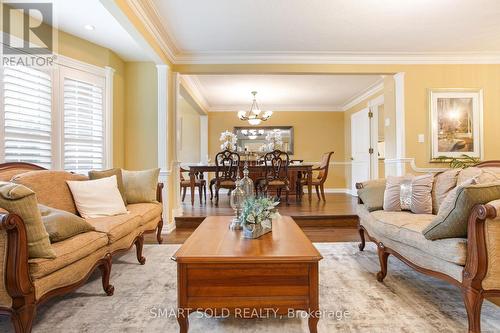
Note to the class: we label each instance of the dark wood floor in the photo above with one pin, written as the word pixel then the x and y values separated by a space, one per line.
pixel 332 221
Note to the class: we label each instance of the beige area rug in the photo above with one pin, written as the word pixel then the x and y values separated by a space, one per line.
pixel 406 302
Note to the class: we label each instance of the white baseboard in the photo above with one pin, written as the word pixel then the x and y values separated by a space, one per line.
pixel 168 228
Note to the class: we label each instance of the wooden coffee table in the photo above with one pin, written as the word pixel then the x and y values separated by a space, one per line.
pixel 219 272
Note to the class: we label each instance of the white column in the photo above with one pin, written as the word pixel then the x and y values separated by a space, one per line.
pixel 204 139
pixel 177 204
pixel 162 73
pixel 399 92
pixel 110 73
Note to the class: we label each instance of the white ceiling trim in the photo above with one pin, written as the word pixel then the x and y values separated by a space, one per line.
pixel 194 87
pixel 147 13
pixel 358 98
pixel 336 58
pixel 279 108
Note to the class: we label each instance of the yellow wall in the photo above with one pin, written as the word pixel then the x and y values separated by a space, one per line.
pixel 314 134
pixel 141 115
pixel 85 51
pixel 190 139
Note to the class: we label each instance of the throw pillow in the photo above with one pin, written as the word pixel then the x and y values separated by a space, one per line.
pixel 20 200
pixel 454 213
pixel 392 193
pixel 409 193
pixel 95 174
pixel 62 225
pixel 444 182
pixel 96 198
pixel 140 186
pixel 372 194
pixel 421 199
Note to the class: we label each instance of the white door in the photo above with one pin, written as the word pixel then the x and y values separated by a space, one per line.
pixel 360 147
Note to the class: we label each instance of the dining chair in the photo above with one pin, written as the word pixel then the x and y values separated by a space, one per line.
pixel 199 183
pixel 227 164
pixel 319 181
pixel 275 174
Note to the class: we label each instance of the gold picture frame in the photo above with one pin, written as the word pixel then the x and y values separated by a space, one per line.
pixel 456 123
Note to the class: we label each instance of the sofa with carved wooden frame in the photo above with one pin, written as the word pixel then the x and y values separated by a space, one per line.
pixel 479 276
pixel 21 291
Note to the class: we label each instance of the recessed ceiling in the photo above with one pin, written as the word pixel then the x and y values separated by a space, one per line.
pixel 72 16
pixel 331 26
pixel 281 92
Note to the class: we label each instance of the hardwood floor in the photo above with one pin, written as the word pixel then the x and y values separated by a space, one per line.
pixel 332 221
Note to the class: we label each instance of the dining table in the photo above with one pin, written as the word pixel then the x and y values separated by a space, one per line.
pixel 301 170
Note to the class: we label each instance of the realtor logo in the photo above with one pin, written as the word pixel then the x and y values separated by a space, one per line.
pixel 32 23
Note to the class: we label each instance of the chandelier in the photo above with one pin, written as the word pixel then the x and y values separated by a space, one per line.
pixel 255 116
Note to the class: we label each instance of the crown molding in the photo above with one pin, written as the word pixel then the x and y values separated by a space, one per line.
pixel 361 96
pixel 279 108
pixel 194 87
pixel 146 11
pixel 337 58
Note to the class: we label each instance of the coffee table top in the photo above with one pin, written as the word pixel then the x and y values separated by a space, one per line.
pixel 212 242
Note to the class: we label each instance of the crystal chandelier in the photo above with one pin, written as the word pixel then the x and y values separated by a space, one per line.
pixel 255 116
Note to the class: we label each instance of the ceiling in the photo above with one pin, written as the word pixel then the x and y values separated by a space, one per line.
pixel 342 27
pixel 280 92
pixel 72 15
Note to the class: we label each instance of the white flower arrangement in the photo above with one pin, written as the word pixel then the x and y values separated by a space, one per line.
pixel 259 211
pixel 228 140
pixel 274 142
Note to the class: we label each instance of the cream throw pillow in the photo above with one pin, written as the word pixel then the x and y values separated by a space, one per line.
pixel 409 193
pixel 140 186
pixel 96 198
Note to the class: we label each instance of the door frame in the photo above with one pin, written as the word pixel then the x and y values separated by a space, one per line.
pixel 373 105
pixel 353 162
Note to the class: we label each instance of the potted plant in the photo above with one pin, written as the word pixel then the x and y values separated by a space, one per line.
pixel 257 215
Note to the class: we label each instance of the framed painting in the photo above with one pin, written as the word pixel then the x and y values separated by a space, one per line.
pixel 456 119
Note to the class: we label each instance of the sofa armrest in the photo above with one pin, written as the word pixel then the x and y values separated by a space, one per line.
pixel 16 282
pixel 371 193
pixel 159 192
pixel 482 268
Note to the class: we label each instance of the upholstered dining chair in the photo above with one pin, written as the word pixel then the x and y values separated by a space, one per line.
pixel 227 165
pixel 319 181
pixel 199 183
pixel 275 174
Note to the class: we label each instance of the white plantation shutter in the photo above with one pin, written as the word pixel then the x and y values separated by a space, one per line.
pixel 84 136
pixel 27 116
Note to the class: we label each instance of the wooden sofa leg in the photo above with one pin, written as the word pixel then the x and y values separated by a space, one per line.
pixel 139 244
pixel 383 256
pixel 159 239
pixel 473 300
pixel 22 318
pixel 362 236
pixel 105 268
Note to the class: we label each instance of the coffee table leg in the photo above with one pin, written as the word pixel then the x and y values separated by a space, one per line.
pixel 313 298
pixel 183 320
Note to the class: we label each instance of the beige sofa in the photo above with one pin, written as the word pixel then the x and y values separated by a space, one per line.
pixel 472 263
pixel 28 282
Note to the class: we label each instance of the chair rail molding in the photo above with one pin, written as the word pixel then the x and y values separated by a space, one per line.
pixel 401 162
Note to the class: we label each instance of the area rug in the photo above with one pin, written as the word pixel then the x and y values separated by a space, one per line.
pixel 350 297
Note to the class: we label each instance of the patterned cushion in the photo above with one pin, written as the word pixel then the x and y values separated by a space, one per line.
pixel 20 200
pixel 140 186
pixel 454 213
pixel 372 194
pixel 50 187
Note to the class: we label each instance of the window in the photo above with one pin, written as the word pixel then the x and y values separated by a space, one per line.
pixel 27 116
pixel 56 118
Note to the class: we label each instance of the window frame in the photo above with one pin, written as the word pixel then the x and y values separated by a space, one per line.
pixel 62 65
